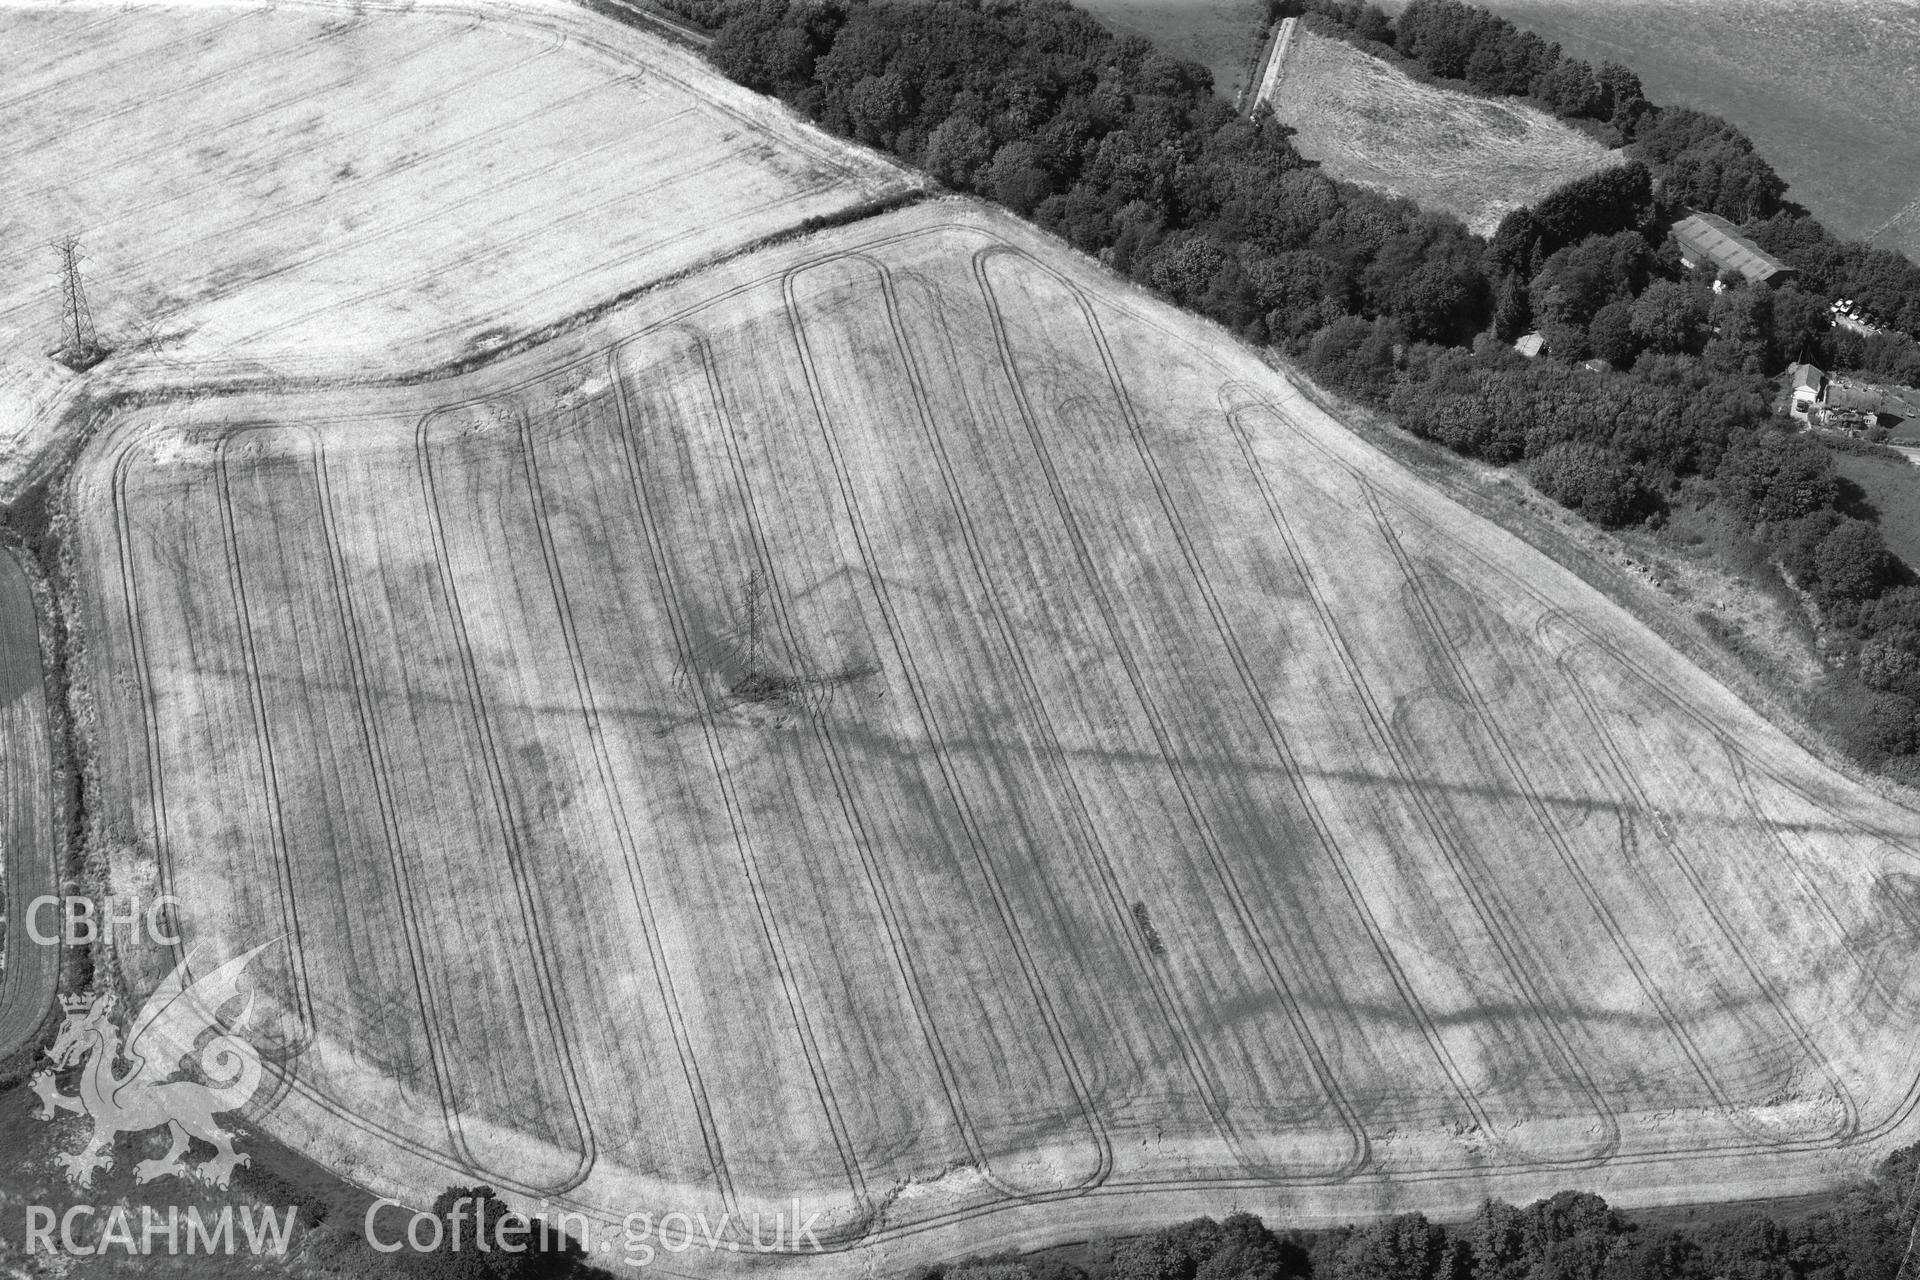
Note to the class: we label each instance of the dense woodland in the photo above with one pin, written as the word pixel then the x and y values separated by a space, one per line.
pixel 1130 155
pixel 1861 1235
pixel 1702 161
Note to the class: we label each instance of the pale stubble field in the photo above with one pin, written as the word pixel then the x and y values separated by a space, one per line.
pixel 1464 882
pixel 312 191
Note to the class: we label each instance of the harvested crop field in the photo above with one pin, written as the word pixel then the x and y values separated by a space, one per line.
pixel 1476 158
pixel 838 733
pixel 289 191
pixel 29 863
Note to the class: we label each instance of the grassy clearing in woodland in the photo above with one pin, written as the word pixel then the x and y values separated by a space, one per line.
pixel 1476 158
pixel 1186 805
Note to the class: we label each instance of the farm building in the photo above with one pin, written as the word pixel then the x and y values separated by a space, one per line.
pixel 1707 239
pixel 1531 345
pixel 1809 386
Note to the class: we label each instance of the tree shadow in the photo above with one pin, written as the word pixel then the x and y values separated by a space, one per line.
pixel 1852 500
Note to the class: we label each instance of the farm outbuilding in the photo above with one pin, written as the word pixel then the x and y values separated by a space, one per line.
pixel 1707 239
pixel 1809 387
pixel 1865 406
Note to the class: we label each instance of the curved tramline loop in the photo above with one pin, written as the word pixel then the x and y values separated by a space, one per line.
pixel 143 678
pixel 1101 869
pixel 1740 761
pixel 736 815
pixel 225 232
pixel 1628 785
pixel 1004 905
pixel 1359 1152
pixel 263 745
pixel 535 938
pixel 623 828
pixel 1789 1023
pixel 456 1163
pixel 1903 898
pixel 386 800
pixel 278 1074
pixel 1744 765
pixel 1209 1089
pixel 1495 917
pixel 1275 734
pixel 287 1082
pixel 1851 1131
pixel 1909 1101
pixel 1350 880
pixel 1637 1155
pixel 1683 704
pixel 841 775
pixel 130 212
pixel 1486 910
pixel 1429 620
pixel 1090 847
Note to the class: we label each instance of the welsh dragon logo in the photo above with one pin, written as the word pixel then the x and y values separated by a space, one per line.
pixel 167 1030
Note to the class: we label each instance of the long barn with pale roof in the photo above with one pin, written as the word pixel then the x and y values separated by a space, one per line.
pixel 1708 238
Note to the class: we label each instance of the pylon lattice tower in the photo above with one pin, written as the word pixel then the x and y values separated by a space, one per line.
pixel 82 347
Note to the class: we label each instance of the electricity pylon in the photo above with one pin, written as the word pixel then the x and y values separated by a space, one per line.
pixel 82 347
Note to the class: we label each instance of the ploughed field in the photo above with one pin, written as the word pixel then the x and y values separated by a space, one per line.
pixel 289 191
pixel 903 721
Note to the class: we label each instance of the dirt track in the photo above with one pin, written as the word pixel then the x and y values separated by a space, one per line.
pixel 1467 884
